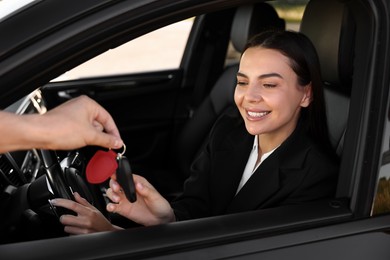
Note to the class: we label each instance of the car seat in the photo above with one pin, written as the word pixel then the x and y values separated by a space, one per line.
pixel 248 20
pixel 333 37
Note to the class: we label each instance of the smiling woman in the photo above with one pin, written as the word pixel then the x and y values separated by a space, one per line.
pixel 276 88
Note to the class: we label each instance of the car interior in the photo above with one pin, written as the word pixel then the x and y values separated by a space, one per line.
pixel 174 150
pixel 247 21
pixel 333 37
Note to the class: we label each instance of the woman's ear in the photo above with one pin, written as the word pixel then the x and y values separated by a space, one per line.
pixel 308 96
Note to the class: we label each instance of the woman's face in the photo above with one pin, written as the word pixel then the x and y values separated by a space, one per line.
pixel 268 95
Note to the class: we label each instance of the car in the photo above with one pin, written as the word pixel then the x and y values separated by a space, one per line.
pixel 165 70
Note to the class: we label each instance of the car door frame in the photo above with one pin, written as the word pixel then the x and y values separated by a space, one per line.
pixel 348 221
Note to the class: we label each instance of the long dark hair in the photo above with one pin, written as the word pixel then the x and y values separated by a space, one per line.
pixel 305 63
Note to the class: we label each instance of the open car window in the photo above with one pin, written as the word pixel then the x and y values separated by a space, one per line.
pixel 161 49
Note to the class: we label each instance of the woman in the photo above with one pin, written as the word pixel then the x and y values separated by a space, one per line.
pixel 272 149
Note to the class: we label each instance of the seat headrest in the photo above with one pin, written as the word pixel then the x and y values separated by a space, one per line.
pixel 333 37
pixel 252 19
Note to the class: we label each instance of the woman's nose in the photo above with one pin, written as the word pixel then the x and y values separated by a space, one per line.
pixel 253 94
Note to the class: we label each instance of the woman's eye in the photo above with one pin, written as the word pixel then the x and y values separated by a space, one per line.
pixel 241 83
pixel 269 85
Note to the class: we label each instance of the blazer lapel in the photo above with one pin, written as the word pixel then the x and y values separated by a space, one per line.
pixel 261 185
pixel 266 184
pixel 229 163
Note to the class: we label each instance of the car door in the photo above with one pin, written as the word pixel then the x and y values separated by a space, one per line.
pixel 335 229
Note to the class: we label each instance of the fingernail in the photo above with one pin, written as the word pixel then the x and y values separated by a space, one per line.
pixel 118 143
pixel 53 202
pixel 116 198
pixel 110 207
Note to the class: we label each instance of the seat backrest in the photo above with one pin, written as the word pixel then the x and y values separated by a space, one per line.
pixel 248 21
pixel 333 37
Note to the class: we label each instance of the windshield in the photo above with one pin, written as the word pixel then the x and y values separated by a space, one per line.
pixel 8 7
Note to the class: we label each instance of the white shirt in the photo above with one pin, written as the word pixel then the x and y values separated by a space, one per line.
pixel 251 166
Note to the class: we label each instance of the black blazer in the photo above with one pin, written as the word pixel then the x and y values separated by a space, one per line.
pixel 298 171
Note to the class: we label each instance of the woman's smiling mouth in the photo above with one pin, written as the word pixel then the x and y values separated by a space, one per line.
pixel 258 114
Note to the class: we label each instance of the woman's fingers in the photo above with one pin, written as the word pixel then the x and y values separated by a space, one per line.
pixel 65 203
pixel 70 220
pixel 114 185
pixel 111 207
pixel 150 208
pixel 82 200
pixel 115 197
pixel 72 205
pixel 88 219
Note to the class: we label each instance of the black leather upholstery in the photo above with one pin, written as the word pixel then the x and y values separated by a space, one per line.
pixel 252 19
pixel 248 20
pixel 333 37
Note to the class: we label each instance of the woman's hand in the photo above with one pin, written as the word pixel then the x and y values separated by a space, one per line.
pixel 88 218
pixel 149 209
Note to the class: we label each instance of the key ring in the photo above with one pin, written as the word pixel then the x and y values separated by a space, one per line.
pixel 122 153
pixel 119 155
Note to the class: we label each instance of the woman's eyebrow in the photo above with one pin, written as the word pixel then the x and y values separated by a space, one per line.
pixel 240 74
pixel 268 75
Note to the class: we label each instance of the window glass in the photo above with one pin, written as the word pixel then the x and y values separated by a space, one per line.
pixel 382 197
pixel 291 12
pixel 159 50
pixel 10 7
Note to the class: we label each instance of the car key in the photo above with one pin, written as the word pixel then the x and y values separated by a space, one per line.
pixel 125 178
pixel 102 165
pixel 105 163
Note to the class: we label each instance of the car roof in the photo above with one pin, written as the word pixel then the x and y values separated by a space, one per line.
pixel 11 7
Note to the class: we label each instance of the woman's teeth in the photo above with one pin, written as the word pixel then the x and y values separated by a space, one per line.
pixel 257 114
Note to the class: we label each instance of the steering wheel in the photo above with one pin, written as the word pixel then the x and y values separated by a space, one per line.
pixel 64 178
pixel 56 179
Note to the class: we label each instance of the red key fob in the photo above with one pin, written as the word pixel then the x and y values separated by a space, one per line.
pixel 101 166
